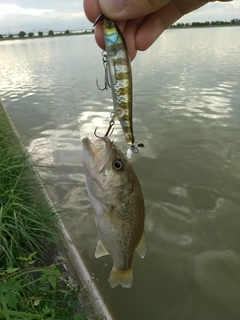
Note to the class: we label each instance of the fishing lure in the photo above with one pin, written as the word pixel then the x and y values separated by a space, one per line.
pixel 117 67
pixel 120 74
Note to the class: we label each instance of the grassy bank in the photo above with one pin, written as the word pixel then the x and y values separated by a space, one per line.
pixel 30 288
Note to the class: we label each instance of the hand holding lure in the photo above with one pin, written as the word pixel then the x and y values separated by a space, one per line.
pixel 120 74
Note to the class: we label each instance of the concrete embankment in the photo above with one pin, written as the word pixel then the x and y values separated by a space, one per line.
pixel 76 262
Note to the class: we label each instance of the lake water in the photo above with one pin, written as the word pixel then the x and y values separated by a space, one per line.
pixel 187 113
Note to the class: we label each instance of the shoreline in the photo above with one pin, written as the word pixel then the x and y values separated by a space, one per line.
pixel 200 27
pixel 74 265
pixel 92 32
pixel 46 36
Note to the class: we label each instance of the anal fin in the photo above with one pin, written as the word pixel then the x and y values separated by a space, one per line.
pixel 100 250
pixel 141 248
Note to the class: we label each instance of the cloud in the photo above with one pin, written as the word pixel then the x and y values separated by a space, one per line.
pixel 58 5
pixel 59 15
pixel 214 11
pixel 43 15
pixel 13 9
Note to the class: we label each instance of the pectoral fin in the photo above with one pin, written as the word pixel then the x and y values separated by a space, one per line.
pixel 141 248
pixel 100 250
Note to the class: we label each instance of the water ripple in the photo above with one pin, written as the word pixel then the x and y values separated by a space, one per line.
pixel 186 112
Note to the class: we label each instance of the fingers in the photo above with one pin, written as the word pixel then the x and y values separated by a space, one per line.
pixel 148 32
pixel 157 22
pixel 141 22
pixel 129 34
pixel 128 30
pixel 99 36
pixel 129 9
pixel 92 9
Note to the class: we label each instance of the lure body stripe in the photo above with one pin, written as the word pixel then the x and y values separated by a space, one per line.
pixel 120 74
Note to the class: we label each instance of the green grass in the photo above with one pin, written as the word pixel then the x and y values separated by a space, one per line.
pixel 27 224
pixel 37 293
pixel 30 289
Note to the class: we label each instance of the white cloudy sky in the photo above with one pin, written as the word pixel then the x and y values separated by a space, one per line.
pixel 44 15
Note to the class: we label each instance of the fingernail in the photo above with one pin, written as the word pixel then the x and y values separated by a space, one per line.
pixel 112 6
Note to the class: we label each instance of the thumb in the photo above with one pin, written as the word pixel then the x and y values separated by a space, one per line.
pixel 130 9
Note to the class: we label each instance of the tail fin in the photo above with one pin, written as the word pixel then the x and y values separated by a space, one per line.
pixel 125 278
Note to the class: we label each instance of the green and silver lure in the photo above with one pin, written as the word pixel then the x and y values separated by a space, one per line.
pixel 120 73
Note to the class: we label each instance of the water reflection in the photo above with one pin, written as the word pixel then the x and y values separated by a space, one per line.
pixel 186 114
pixel 215 271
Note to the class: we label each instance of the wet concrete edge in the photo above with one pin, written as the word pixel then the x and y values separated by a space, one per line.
pixel 76 260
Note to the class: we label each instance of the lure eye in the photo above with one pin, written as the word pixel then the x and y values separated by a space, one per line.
pixel 117 165
pixel 109 24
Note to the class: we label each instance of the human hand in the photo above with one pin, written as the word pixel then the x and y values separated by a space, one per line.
pixel 140 21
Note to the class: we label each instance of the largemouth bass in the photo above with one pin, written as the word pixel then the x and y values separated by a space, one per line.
pixel 116 197
pixel 120 73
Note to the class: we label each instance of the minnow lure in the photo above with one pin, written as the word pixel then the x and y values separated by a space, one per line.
pixel 120 74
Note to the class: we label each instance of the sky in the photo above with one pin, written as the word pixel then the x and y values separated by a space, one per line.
pixel 60 15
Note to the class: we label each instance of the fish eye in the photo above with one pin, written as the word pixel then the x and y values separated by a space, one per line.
pixel 109 24
pixel 117 164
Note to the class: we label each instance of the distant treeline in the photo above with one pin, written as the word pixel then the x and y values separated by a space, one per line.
pixel 233 22
pixel 50 33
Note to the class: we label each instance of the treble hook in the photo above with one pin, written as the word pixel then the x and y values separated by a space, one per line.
pixel 106 80
pixel 109 130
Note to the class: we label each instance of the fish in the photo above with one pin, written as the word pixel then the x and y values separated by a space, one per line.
pixel 116 197
pixel 120 74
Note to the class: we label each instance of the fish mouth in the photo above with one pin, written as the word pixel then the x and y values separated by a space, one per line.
pixel 87 152
pixel 96 154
